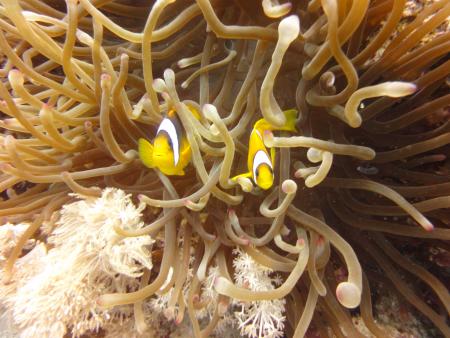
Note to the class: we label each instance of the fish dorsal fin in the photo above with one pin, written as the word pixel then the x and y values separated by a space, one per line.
pixel 169 128
pixel 260 157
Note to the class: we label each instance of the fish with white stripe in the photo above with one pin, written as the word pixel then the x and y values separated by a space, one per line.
pixel 259 162
pixel 170 151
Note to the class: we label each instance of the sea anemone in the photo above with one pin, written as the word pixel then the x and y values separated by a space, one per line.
pixel 95 240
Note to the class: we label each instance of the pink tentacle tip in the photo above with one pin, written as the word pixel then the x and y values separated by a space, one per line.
pixel 8 139
pixel 15 72
pixel 301 242
pixel 428 226
pixel 268 134
pixel 88 124
pixel 414 88
pixel 188 203
pixel 140 197
pixel 245 240
pixel 196 298
pixel 105 77
pixel 5 166
pixel 165 96
pixel 320 240
pixel 289 187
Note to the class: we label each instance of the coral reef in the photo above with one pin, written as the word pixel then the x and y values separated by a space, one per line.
pixel 127 125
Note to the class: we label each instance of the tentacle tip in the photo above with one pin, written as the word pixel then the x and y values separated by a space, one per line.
pixel 15 73
pixel 100 302
pixel 348 294
pixel 184 85
pixel 410 88
pixel 268 135
pixel 301 243
pixel 289 187
pixel 105 78
pixel 414 88
pixel 169 74
pixel 320 240
pixel 245 241
pixel 428 226
pixel 5 166
pixel 289 28
pixel 298 173
pixel 8 139
pixel 399 88
pixel 356 122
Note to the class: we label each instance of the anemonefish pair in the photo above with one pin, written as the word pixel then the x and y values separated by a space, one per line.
pixel 171 152
pixel 260 164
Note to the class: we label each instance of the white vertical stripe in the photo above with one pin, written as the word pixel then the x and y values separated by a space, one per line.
pixel 260 158
pixel 168 126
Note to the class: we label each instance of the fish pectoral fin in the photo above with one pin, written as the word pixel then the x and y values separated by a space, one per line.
pixel 291 120
pixel 180 173
pixel 146 152
pixel 185 151
pixel 272 155
pixel 244 175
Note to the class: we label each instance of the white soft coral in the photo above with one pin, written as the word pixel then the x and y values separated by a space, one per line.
pixel 87 258
pixel 258 318
pixel 9 236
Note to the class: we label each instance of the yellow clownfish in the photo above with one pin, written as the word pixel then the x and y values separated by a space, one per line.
pixel 260 164
pixel 170 152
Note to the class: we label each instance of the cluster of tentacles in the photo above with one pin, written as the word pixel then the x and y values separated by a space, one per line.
pixel 364 180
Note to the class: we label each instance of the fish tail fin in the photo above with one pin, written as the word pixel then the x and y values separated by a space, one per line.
pixel 291 120
pixel 146 153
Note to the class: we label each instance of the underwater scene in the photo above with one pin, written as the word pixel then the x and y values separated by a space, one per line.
pixel 224 168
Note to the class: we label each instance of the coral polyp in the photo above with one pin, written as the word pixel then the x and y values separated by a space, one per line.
pixel 198 167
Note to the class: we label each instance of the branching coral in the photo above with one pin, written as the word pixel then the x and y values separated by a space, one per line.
pixel 82 82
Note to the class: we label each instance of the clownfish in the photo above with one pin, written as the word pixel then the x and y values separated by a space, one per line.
pixel 259 162
pixel 170 152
